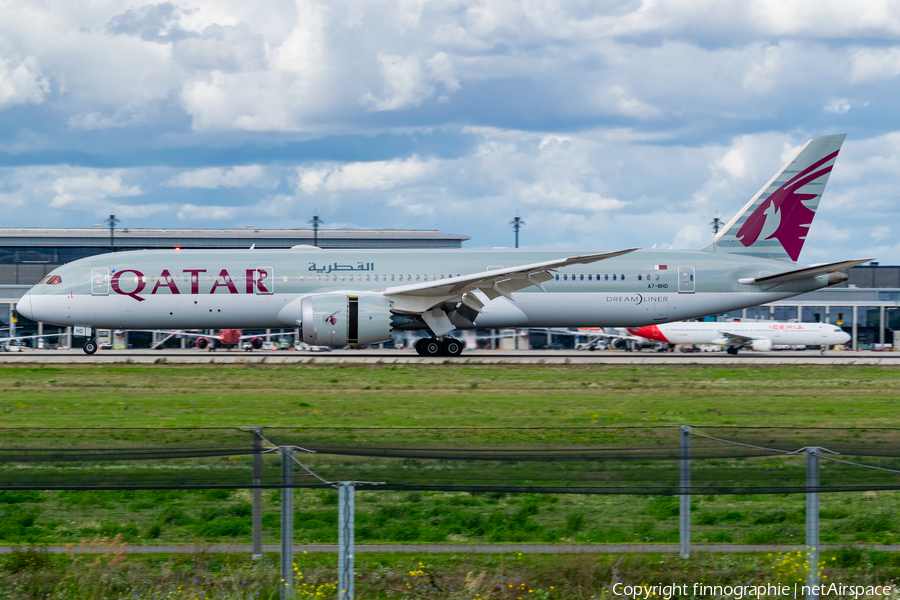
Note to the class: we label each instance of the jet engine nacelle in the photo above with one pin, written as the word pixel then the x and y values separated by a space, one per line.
pixel 256 343
pixel 762 345
pixel 202 343
pixel 339 319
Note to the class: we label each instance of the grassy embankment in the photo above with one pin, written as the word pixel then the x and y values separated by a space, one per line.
pixel 29 574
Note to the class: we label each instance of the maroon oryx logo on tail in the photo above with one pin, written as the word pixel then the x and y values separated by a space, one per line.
pixel 782 215
pixel 332 319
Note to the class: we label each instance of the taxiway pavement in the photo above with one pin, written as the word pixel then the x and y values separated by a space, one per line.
pixel 607 357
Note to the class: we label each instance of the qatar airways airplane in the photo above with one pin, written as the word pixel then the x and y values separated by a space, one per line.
pixel 757 335
pixel 359 296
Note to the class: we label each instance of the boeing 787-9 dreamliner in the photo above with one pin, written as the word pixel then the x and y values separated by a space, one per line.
pixel 339 297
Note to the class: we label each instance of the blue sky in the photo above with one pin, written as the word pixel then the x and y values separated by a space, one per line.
pixel 604 124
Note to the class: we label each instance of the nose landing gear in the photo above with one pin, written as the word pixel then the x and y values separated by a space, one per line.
pixel 434 347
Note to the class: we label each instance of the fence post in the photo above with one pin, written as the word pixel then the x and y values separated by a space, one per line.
pixel 345 540
pixel 812 521
pixel 287 523
pixel 684 512
pixel 257 493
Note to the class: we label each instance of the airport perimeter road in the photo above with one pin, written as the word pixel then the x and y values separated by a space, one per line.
pixel 448 548
pixel 610 357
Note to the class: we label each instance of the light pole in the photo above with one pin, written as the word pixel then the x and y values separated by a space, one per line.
pixel 316 221
pixel 516 224
pixel 111 221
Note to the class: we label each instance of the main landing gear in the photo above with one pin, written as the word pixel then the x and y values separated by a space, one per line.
pixel 732 350
pixel 434 347
pixel 90 346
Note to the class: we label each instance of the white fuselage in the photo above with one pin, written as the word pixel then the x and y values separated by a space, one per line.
pixel 779 333
pixel 221 289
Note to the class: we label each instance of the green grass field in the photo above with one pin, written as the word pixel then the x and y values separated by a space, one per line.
pixel 447 395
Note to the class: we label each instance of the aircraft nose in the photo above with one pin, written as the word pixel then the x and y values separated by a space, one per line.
pixel 845 337
pixel 23 307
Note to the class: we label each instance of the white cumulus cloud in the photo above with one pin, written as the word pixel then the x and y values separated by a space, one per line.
pixel 375 175
pixel 215 177
pixel 192 212
pixel 21 82
pixel 83 191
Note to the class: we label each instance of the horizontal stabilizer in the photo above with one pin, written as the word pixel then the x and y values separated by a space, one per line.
pixel 804 273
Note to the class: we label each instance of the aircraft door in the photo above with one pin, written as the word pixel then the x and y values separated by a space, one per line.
pixel 686 280
pixel 263 280
pixel 661 311
pixel 100 281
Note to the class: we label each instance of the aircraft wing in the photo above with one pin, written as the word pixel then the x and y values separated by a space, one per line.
pixel 734 339
pixel 602 334
pixel 804 272
pixel 205 335
pixel 30 337
pixel 425 299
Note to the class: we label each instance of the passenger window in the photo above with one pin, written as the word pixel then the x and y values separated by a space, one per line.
pixel 409 277
pixel 351 278
pixel 581 278
pixel 417 277
pixel 614 277
pixel 392 277
pixel 300 278
pixel 622 278
pixel 566 277
pixel 648 276
pixel 433 277
pixel 657 276
pixel 318 278
pixel 326 277
pixel 589 276
pixel 606 278
pixel 639 277
pixel 343 278
pixel 557 276
pixel 376 278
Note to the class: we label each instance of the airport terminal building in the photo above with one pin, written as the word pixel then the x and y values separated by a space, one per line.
pixel 867 306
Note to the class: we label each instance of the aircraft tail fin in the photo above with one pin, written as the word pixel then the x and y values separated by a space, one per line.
pixel 775 222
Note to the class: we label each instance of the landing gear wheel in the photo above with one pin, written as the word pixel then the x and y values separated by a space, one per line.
pixel 732 351
pixel 90 347
pixel 430 347
pixel 419 346
pixel 451 347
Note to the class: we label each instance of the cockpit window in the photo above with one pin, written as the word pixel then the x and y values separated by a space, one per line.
pixel 44 280
pixel 55 280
